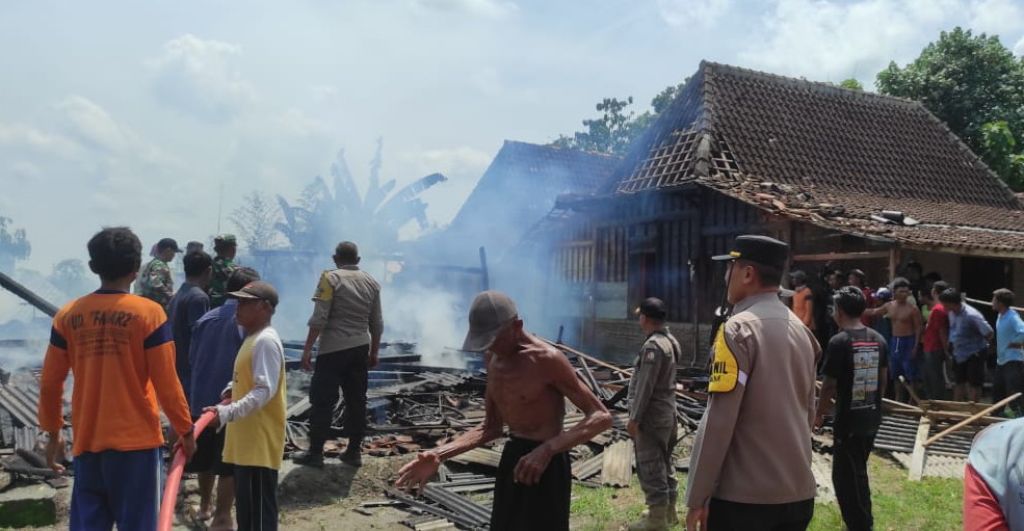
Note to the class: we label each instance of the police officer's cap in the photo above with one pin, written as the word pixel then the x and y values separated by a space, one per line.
pixel 758 249
pixel 654 308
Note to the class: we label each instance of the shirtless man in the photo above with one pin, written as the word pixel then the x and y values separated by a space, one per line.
pixel 527 384
pixel 907 325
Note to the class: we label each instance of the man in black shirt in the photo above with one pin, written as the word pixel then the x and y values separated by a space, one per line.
pixel 855 373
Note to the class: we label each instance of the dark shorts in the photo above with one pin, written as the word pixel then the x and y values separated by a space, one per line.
pixel 531 507
pixel 901 354
pixel 209 454
pixel 971 371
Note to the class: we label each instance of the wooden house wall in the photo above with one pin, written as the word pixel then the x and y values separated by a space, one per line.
pixel 649 241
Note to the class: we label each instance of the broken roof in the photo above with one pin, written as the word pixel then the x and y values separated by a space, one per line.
pixel 826 155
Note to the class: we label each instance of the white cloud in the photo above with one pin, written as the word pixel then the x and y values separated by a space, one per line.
pixel 1018 48
pixel 25 138
pixel 1000 17
pixel 93 126
pixel 704 13
pixel 201 77
pixel 487 81
pixel 833 41
pixel 324 92
pixel 24 170
pixel 490 9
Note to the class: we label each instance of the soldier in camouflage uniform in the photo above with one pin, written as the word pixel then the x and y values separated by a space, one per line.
pixel 652 417
pixel 155 281
pixel 225 245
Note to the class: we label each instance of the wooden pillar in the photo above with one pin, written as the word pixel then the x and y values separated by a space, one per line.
pixel 894 261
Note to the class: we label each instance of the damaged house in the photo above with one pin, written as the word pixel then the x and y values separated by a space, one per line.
pixel 850 178
pixel 515 192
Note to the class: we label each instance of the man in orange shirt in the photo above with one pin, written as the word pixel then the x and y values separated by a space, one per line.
pixel 118 346
pixel 803 298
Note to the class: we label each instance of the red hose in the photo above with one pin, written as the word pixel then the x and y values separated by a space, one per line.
pixel 166 519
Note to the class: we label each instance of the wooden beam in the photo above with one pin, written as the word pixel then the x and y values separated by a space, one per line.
pixel 957 415
pixel 994 407
pixel 830 257
pixel 900 405
pixel 920 455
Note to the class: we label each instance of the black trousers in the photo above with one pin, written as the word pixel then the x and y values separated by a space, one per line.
pixel 850 480
pixel 255 498
pixel 734 516
pixel 544 506
pixel 1009 379
pixel 346 369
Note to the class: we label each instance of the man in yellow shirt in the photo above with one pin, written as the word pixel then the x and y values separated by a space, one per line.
pixel 255 418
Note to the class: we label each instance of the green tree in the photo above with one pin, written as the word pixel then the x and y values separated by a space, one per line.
pixel 614 131
pixel 1005 153
pixel 14 245
pixel 851 84
pixel 967 81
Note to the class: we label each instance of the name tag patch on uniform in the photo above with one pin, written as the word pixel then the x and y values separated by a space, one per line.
pixel 724 369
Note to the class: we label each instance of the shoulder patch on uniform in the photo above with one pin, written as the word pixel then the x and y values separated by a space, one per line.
pixel 650 353
pixel 724 369
pixel 324 289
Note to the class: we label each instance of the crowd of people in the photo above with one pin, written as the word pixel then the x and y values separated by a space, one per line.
pixel 209 348
pixel 937 339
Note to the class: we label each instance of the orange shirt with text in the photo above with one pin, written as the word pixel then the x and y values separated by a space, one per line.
pixel 120 351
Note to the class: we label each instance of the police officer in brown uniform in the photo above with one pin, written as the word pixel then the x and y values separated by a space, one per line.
pixel 652 417
pixel 751 463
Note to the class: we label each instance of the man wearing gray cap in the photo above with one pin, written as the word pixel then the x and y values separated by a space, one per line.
pixel 255 418
pixel 527 384
pixel 751 462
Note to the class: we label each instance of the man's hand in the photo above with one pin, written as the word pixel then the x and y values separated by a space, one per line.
pixel 188 445
pixel 697 519
pixel 415 474
pixel 819 421
pixel 633 428
pixel 215 421
pixel 374 359
pixel 307 361
pixel 55 452
pixel 532 466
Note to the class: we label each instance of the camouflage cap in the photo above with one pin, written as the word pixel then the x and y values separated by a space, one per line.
pixel 225 238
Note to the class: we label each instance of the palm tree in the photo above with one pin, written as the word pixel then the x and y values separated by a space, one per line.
pixel 326 214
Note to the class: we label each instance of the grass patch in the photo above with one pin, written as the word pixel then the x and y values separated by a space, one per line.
pixel 898 505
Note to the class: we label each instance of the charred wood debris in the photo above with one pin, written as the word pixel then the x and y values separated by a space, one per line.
pixel 413 407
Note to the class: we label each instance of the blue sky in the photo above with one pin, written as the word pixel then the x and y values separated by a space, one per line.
pixel 136 113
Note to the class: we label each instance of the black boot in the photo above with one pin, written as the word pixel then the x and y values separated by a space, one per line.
pixel 353 453
pixel 313 457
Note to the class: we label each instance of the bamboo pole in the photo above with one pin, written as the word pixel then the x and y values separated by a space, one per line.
pixel 994 407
